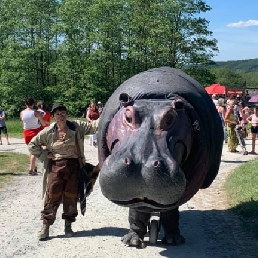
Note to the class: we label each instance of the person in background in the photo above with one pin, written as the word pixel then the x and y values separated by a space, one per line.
pixel 100 107
pixel 56 146
pixel 231 122
pixel 92 115
pixel 3 127
pixel 32 121
pixel 222 112
pixel 244 114
pixel 85 112
pixel 92 112
pixel 253 119
pixel 238 99
pixel 214 99
pixel 46 114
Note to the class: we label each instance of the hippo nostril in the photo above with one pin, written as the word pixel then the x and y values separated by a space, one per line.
pixel 127 161
pixel 156 163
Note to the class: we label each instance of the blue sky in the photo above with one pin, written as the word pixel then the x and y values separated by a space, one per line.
pixel 234 24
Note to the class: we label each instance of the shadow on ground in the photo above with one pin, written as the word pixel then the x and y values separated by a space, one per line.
pixel 235 161
pixel 13 174
pixel 209 233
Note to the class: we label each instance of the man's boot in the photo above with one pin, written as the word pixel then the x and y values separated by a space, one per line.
pixel 44 232
pixel 68 229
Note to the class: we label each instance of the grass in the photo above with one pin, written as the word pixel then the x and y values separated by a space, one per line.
pixel 14 127
pixel 12 164
pixel 242 190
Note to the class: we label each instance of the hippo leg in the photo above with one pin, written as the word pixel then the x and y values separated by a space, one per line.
pixel 138 228
pixel 170 223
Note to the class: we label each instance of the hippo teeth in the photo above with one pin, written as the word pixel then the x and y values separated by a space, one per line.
pixel 140 198
pixel 144 202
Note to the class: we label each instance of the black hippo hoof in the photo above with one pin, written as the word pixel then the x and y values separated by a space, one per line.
pixel 173 239
pixel 133 239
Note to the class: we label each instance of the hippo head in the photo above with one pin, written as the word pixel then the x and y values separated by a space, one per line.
pixel 148 140
pixel 160 140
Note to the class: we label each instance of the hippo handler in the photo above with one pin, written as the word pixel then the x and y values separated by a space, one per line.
pixel 160 141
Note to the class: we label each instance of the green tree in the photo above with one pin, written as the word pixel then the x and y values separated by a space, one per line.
pixel 251 80
pixel 168 33
pixel 231 79
pixel 25 56
pixel 77 51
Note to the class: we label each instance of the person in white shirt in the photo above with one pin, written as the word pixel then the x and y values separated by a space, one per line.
pixel 214 99
pixel 32 121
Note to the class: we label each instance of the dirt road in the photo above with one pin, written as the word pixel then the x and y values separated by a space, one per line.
pixel 210 228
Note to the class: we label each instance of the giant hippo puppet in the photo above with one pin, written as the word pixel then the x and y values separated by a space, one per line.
pixel 159 140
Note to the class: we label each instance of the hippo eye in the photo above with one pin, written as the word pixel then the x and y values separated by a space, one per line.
pixel 167 121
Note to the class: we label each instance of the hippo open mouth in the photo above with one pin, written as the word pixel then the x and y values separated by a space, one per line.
pixel 144 202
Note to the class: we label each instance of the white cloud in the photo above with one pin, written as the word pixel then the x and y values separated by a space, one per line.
pixel 243 24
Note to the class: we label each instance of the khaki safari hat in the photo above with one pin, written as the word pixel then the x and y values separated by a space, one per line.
pixel 59 106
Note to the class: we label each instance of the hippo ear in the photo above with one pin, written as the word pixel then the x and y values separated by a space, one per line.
pixel 178 104
pixel 125 99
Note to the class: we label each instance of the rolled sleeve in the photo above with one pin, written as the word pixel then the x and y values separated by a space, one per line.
pixel 88 128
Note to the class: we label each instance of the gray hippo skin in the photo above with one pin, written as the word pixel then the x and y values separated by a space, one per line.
pixel 160 141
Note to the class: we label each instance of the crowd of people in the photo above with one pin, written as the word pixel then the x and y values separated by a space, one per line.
pixel 233 112
pixel 35 117
pixel 60 146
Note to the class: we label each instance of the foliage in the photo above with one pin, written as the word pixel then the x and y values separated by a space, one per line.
pixel 247 65
pixel 252 80
pixel 236 74
pixel 242 192
pixel 77 51
pixel 202 75
pixel 14 127
pixel 231 79
pixel 25 56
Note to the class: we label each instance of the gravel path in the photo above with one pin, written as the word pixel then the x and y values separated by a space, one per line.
pixel 210 228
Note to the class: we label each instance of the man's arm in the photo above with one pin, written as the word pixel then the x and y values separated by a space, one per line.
pixel 88 128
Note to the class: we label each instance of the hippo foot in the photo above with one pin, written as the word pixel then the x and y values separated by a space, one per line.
pixel 133 239
pixel 173 239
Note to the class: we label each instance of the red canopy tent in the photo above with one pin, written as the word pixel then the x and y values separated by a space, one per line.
pixel 216 89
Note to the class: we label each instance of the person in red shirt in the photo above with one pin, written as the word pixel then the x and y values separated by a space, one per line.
pixel 46 114
pixel 91 115
pixel 92 112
